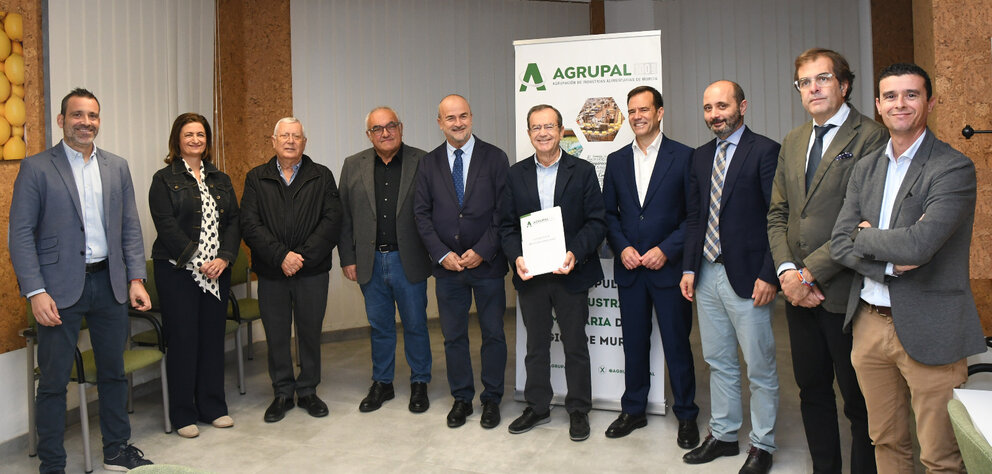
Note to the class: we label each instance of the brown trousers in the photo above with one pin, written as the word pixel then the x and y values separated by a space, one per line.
pixel 893 383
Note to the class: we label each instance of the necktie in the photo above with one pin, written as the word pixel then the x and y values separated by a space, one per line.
pixel 711 245
pixel 456 176
pixel 816 153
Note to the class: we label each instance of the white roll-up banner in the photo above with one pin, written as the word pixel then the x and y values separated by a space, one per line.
pixel 587 79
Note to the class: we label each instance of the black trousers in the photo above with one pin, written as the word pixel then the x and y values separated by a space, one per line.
pixel 537 300
pixel 194 324
pixel 280 300
pixel 820 349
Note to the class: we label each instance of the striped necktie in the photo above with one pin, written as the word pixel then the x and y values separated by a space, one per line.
pixel 711 246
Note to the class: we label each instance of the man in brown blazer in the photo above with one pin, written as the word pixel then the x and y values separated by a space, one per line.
pixel 813 170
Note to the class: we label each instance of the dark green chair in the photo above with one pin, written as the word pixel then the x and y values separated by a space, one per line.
pixel 84 373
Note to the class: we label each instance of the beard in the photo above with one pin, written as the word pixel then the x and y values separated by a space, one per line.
pixel 730 124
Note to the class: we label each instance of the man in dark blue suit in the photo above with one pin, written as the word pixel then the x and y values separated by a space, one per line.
pixel 728 267
pixel 553 178
pixel 644 191
pixel 456 207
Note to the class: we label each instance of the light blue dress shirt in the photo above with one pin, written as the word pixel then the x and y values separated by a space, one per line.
pixel 876 292
pixel 546 177
pixel 296 169
pixel 466 158
pixel 90 187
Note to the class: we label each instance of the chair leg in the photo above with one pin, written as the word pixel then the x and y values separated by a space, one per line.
pixel 32 434
pixel 251 347
pixel 84 422
pixel 165 397
pixel 239 353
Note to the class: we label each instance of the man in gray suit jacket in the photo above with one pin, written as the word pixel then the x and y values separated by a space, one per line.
pixel 905 228
pixel 75 242
pixel 381 249
pixel 821 152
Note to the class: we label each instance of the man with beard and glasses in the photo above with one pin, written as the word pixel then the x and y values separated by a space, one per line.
pixel 814 167
pixel 730 186
pixel 644 190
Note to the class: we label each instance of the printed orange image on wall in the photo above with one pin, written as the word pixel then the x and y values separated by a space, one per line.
pixel 13 110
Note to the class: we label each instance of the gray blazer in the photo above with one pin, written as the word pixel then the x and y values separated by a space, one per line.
pixel 46 227
pixel 800 222
pixel 932 306
pixel 358 223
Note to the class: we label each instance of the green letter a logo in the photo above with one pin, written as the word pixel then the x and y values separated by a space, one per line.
pixel 532 76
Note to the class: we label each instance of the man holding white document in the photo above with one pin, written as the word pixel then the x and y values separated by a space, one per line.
pixel 552 200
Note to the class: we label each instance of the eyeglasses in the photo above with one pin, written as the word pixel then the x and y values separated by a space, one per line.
pixel 286 136
pixel 821 80
pixel 537 128
pixel 377 130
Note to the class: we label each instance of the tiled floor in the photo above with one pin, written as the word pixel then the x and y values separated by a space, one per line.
pixel 394 440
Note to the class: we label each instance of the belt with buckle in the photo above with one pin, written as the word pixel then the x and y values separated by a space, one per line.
pixel 882 310
pixel 96 267
pixel 384 248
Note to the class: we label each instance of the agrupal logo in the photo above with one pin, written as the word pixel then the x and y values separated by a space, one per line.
pixel 532 76
pixel 593 71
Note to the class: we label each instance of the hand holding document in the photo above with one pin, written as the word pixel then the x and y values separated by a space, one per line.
pixel 542 236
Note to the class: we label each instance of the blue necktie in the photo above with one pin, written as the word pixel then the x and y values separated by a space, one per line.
pixel 456 176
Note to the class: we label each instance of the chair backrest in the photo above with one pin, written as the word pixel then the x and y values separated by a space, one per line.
pixel 975 449
pixel 241 268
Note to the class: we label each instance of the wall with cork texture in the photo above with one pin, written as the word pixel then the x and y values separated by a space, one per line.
pixel 32 109
pixel 953 42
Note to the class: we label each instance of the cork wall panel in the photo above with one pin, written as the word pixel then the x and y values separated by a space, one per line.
pixel 962 75
pixel 11 303
pixel 254 81
pixel 982 290
pixel 891 37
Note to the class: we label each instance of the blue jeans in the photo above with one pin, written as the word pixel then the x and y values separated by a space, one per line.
pixel 108 326
pixel 726 320
pixel 454 299
pixel 387 290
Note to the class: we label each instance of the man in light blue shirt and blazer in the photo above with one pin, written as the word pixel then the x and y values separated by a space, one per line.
pixel 76 247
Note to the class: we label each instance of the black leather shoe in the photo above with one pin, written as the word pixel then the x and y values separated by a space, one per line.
pixel 578 426
pixel 313 405
pixel 688 434
pixel 419 402
pixel 758 461
pixel 378 393
pixel 711 449
pixel 528 420
pixel 624 424
pixel 277 410
pixel 490 415
pixel 460 410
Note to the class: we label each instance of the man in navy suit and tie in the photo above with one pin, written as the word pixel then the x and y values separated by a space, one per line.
pixel 459 184
pixel 728 268
pixel 644 191
pixel 75 242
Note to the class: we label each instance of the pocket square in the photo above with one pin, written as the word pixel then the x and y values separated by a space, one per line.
pixel 844 156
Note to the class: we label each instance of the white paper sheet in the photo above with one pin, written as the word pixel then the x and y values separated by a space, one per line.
pixel 542 236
